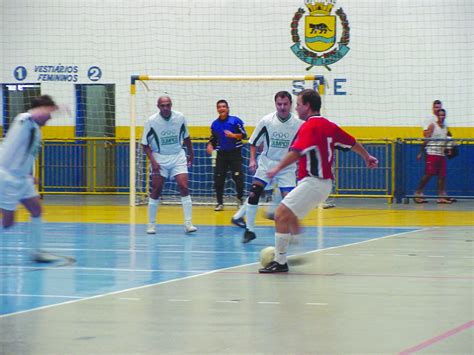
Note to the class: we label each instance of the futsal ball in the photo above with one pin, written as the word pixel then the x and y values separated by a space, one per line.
pixel 266 256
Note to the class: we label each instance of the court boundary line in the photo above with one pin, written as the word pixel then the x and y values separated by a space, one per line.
pixel 447 334
pixel 199 275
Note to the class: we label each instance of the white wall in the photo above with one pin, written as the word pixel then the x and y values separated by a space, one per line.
pixel 404 54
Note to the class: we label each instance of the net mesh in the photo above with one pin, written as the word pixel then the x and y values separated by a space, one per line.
pixel 248 99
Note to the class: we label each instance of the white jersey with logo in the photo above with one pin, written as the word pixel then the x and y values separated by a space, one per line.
pixel 165 136
pixel 275 134
pixel 20 146
pixel 437 147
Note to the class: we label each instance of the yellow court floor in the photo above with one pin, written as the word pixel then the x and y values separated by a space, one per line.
pixel 347 213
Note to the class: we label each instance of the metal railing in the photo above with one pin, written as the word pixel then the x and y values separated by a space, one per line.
pixel 101 166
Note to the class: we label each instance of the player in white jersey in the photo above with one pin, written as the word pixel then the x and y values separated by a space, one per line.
pixel 276 131
pixel 17 156
pixel 435 163
pixel 163 137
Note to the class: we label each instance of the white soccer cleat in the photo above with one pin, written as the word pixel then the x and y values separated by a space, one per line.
pixel 151 229
pixel 189 228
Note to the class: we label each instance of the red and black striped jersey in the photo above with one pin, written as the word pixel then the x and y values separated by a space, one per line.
pixel 316 140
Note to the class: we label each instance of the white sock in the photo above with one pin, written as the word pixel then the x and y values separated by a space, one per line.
pixel 241 212
pixel 36 233
pixel 152 209
pixel 282 240
pixel 187 208
pixel 250 216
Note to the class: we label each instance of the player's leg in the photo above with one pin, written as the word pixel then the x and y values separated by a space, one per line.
pixel 309 193
pixel 275 201
pixel 429 172
pixel 251 209
pixel 182 181
pixel 236 164
pixel 157 182
pixel 286 182
pixel 8 198
pixel 238 217
pixel 33 205
pixel 8 218
pixel 441 170
pixel 220 172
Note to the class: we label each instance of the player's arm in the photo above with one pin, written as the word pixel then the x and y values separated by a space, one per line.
pixel 290 157
pixel 240 134
pixel 427 133
pixel 255 146
pixel 155 167
pixel 253 158
pixel 189 147
pixel 344 141
pixel 212 143
pixel 147 149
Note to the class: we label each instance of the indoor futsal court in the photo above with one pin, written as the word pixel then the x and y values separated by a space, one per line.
pixel 366 277
pixel 117 112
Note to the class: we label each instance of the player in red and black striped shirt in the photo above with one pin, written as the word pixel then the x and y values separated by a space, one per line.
pixel 314 148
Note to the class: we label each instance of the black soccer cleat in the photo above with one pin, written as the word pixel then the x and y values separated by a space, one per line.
pixel 239 222
pixel 274 267
pixel 248 236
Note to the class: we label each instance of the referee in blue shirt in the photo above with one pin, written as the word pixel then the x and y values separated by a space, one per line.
pixel 227 133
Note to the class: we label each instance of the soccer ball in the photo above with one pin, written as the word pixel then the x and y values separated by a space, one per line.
pixel 266 256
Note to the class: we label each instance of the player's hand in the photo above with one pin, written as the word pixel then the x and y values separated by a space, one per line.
pixel 252 166
pixel 371 162
pixel 229 134
pixel 155 167
pixel 272 172
pixel 190 161
pixel 209 149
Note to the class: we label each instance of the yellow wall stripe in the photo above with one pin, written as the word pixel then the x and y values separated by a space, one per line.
pixel 357 131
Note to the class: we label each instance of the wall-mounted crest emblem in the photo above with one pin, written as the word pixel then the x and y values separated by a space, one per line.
pixel 322 44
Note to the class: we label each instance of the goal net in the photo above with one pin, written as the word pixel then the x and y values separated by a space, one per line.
pixel 249 97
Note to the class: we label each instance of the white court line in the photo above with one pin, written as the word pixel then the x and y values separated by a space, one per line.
pixel 203 274
pixel 316 304
pixel 137 250
pixel 79 268
pixel 268 302
pixel 41 296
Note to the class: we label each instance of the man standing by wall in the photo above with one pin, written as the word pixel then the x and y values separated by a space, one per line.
pixel 227 133
pixel 163 137
pixel 435 163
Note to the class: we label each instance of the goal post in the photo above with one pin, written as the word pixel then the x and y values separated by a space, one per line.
pixel 250 97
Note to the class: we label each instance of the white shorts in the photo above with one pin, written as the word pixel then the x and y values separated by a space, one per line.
pixel 13 189
pixel 284 178
pixel 308 194
pixel 171 165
